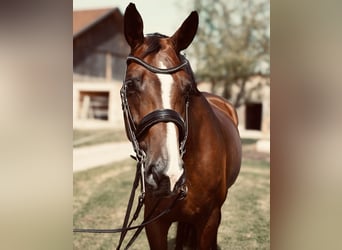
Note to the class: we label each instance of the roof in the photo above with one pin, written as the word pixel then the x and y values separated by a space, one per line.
pixel 83 19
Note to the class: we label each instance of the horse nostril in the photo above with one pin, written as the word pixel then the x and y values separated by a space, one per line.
pixel 152 171
pixel 155 174
pixel 156 178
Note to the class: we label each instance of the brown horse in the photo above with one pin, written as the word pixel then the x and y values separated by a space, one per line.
pixel 186 139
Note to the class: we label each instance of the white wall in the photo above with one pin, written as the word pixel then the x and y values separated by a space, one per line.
pixel 115 118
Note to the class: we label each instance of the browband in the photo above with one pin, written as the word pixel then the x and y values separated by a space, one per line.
pixel 155 69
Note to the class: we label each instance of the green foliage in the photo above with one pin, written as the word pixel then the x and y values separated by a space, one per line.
pixel 232 43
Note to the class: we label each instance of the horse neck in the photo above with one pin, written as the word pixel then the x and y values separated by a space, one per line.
pixel 201 118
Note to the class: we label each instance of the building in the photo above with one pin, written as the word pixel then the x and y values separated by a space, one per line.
pixel 254 113
pixel 99 60
pixel 100 52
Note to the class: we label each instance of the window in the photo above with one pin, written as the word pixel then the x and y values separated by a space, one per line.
pixel 253 116
pixel 94 105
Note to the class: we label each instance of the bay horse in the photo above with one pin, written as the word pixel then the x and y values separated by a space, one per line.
pixel 186 139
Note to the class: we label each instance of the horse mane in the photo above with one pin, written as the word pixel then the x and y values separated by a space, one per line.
pixel 194 90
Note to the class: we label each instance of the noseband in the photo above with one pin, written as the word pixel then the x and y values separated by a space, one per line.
pixel 136 132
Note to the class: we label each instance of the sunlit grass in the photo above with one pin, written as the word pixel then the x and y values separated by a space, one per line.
pixel 101 196
pixel 97 136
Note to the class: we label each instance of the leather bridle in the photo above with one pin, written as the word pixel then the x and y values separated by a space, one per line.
pixel 136 132
pixel 155 69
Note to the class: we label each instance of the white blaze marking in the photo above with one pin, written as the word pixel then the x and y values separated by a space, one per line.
pixel 174 169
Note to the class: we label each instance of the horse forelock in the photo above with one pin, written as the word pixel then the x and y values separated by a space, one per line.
pixel 152 46
pixel 156 47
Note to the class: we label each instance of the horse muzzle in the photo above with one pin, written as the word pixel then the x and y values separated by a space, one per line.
pixel 160 185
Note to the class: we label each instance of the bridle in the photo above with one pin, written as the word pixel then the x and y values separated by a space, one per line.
pixel 155 69
pixel 135 133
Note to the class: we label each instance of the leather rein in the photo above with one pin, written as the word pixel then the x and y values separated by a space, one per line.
pixel 136 132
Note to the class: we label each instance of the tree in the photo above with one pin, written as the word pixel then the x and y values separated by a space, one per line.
pixel 232 43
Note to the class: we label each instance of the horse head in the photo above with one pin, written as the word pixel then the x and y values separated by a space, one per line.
pixel 157 86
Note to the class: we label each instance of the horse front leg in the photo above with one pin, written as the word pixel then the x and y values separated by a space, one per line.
pixel 157 235
pixel 207 231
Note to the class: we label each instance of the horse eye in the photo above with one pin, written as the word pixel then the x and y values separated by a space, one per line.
pixel 133 85
pixel 130 84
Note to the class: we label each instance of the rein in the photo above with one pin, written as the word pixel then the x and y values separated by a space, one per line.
pixel 135 133
pixel 128 226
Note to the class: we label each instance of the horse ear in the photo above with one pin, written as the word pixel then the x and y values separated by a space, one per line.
pixel 186 33
pixel 133 26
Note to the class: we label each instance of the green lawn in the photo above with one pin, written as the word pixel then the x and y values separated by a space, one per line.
pixel 101 196
pixel 97 136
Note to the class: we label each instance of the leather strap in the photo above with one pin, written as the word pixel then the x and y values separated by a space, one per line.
pixel 163 115
pixel 155 69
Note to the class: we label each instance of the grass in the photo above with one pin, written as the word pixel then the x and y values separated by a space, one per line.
pixel 97 136
pixel 101 195
pixel 246 215
pixel 247 141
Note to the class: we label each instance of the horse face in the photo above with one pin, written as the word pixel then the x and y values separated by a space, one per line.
pixel 147 92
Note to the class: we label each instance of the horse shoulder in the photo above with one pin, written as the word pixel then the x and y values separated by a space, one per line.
pixel 225 110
